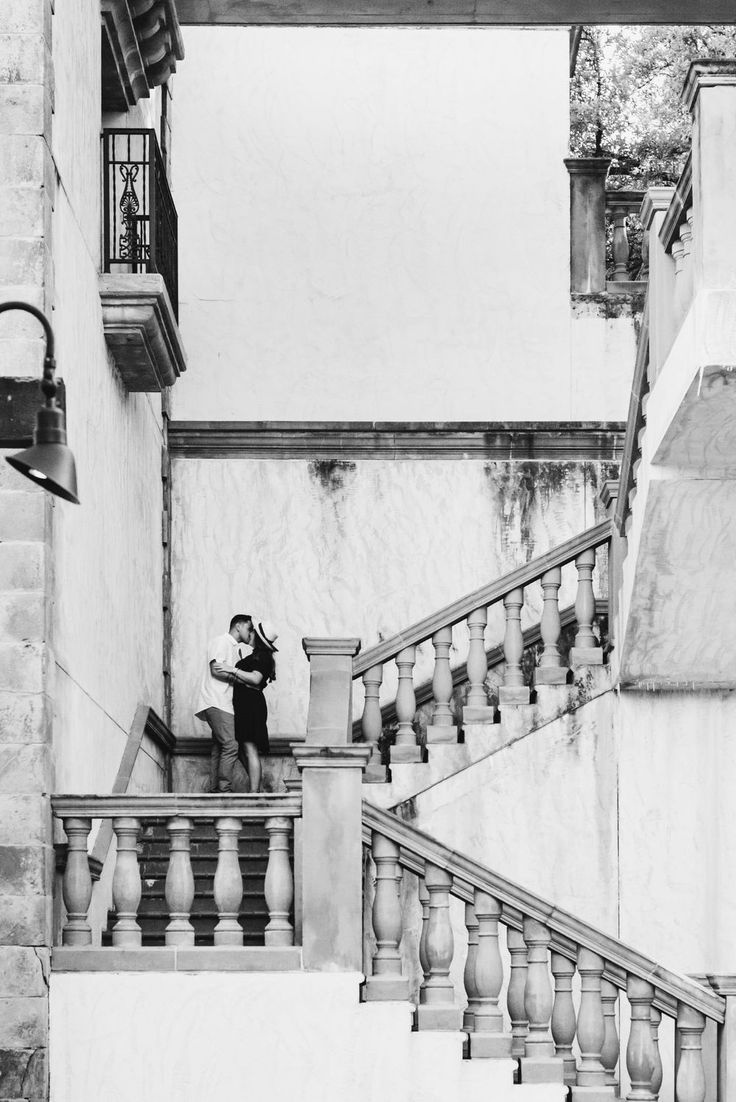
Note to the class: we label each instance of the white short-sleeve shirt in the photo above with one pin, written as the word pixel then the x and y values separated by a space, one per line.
pixel 214 693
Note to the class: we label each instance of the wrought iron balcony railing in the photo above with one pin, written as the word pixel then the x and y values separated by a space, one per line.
pixel 140 216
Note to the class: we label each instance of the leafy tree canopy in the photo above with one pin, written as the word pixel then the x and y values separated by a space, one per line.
pixel 625 97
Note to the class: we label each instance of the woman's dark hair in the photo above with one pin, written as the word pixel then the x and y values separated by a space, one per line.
pixel 260 646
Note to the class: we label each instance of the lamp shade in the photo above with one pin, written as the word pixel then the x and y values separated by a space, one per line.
pixel 49 463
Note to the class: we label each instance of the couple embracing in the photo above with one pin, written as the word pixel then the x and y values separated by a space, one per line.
pixel 231 699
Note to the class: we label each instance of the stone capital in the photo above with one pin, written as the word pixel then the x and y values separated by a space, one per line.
pixel 608 493
pixel 330 757
pixel 656 199
pixel 588 166
pixel 723 984
pixel 349 647
pixel 707 73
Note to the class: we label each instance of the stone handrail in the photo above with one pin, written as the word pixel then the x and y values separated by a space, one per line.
pixel 128 814
pixel 541 939
pixel 452 614
pixel 494 657
pixel 634 426
pixel 473 607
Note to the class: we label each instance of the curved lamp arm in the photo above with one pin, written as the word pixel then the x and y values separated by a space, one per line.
pixel 48 383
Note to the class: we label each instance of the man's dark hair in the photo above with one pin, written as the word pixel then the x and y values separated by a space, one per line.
pixel 238 619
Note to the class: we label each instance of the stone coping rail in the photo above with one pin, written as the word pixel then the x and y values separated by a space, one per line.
pixel 681 201
pixel 569 934
pixel 634 425
pixel 243 805
pixel 486 595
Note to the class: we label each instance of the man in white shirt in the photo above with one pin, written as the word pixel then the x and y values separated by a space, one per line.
pixel 215 699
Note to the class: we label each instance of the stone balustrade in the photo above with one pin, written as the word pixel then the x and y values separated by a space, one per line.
pixel 509 591
pixel 554 1040
pixel 594 212
pixel 675 232
pixel 128 816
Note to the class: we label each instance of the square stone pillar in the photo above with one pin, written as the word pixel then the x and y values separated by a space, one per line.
pixel 725 985
pixel 330 717
pixel 661 279
pixel 709 94
pixel 587 223
pixel 332 851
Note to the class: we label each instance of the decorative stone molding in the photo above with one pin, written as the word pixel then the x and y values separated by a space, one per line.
pixel 141 331
pixel 141 43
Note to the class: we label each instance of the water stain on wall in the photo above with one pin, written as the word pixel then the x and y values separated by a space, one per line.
pixel 333 475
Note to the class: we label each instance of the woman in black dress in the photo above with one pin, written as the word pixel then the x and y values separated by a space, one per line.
pixel 249 704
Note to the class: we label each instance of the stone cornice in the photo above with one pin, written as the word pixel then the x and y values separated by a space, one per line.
pixel 656 199
pixel 141 331
pixel 566 441
pixel 707 73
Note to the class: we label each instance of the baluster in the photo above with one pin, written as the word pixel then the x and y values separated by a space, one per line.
pixel 279 882
pixel 228 883
pixel 488 1039
pixel 563 1015
pixel 550 670
pixel 517 985
pixel 690 1078
pixel 386 981
pixel 442 728
pixel 657 1074
pixel 179 888
pixel 513 690
pixel 437 1009
pixel 372 723
pixel 77 884
pixel 640 1051
pixel 477 709
pixel 423 958
pixel 126 882
pixel 591 1025
pixel 471 989
pixel 678 255
pixel 539 1064
pixel 609 1052
pixel 406 747
pixel 686 236
pixel 586 651
pixel 620 245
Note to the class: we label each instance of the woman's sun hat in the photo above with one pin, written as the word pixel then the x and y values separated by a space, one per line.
pixel 266 634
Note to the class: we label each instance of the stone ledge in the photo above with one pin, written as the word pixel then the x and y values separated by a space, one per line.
pixel 139 52
pixel 178 959
pixel 141 331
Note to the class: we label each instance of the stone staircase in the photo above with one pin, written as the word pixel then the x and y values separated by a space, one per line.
pixel 154 850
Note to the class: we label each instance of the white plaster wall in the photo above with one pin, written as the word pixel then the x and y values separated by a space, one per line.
pixel 602 358
pixel 191 1037
pixel 361 548
pixel 107 555
pixel 374 224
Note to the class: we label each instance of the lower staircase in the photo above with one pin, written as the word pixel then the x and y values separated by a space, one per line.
pixel 153 856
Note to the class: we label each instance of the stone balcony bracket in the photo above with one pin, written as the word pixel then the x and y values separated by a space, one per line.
pixel 141 43
pixel 141 331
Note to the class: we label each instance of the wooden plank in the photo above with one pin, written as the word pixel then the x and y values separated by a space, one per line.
pixel 486 595
pixel 479 13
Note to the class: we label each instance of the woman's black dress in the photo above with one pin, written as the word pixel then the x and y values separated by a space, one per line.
pixel 249 704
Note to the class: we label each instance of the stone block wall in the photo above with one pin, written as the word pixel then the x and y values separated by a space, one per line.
pixel 26 760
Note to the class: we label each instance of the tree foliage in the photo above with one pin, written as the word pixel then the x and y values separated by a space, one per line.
pixel 625 97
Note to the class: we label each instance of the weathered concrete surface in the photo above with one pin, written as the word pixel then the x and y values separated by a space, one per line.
pixel 360 547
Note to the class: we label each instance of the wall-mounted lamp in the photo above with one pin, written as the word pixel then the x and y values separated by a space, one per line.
pixel 49 463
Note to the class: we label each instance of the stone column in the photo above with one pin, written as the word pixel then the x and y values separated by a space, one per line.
pixel 331 843
pixel 661 279
pixel 587 223
pixel 330 718
pixel 710 96
pixel 725 986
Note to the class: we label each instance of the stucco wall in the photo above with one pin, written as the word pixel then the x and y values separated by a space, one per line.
pixel 378 225
pixel 360 547
pixel 618 813
pixel 107 553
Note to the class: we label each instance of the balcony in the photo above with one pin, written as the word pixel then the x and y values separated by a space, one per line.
pixel 139 284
